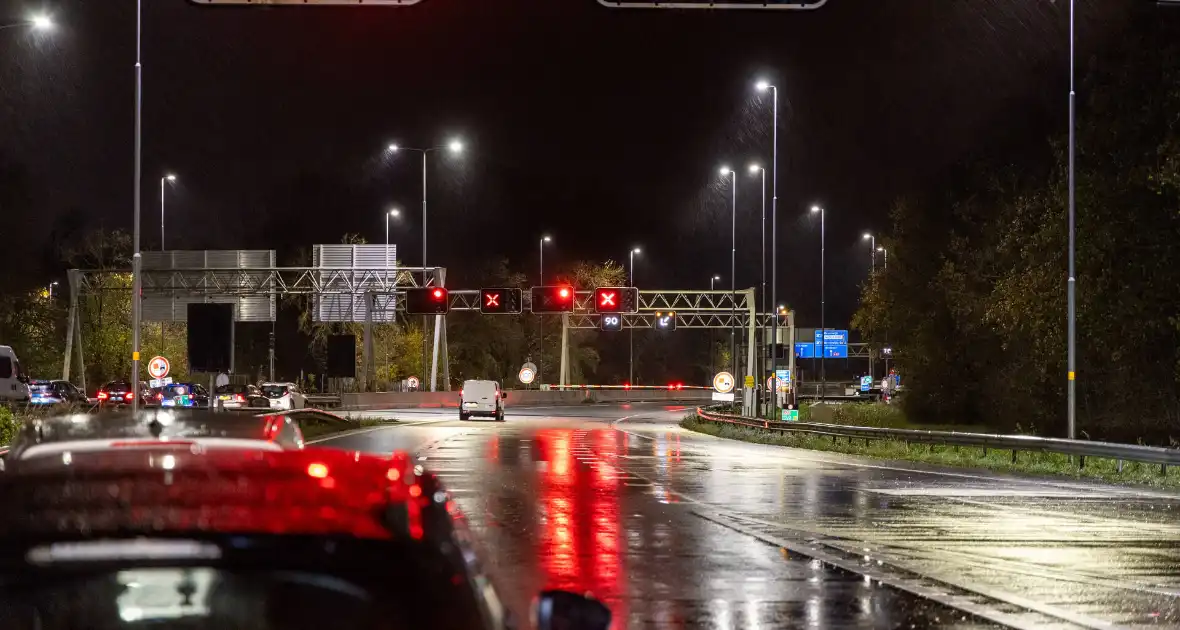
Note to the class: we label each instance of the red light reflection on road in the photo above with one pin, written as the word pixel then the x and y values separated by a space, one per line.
pixel 580 547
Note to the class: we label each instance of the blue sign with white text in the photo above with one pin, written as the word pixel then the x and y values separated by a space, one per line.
pixel 835 343
pixel 805 351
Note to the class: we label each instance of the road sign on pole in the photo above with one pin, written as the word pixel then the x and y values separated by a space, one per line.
pixel 723 382
pixel 413 382
pixel 158 367
pixel 528 372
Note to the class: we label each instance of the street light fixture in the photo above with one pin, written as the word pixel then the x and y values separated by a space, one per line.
pixel 455 146
pixel 41 22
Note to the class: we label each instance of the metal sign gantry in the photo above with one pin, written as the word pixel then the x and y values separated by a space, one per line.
pixel 715 309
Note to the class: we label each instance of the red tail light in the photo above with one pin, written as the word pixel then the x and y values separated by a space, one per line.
pixel 102 395
pixel 159 396
pixel 317 470
pixel 239 398
pixel 129 395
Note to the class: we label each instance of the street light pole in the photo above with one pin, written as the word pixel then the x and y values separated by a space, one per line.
pixel 823 331
pixel 762 86
pixel 725 171
pixel 754 168
pixel 454 146
pixel 137 257
pixel 873 283
pixel 631 331
pixel 163 184
pixel 1071 284
pixel 541 318
pixel 712 350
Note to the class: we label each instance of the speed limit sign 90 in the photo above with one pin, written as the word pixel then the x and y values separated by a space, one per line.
pixel 611 323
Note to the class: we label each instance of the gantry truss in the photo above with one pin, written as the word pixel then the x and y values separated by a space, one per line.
pixel 714 309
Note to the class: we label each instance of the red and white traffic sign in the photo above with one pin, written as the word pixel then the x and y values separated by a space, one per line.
pixel 158 367
pixel 413 382
pixel 723 382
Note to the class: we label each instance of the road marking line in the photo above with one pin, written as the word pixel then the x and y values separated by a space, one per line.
pixel 812 456
pixel 362 431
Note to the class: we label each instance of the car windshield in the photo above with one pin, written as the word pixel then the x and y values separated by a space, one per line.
pixel 274 391
pixel 41 387
pixel 177 389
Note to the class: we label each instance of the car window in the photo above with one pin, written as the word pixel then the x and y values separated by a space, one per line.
pixel 5 367
pixel 274 391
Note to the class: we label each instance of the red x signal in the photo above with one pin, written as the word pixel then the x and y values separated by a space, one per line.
pixel 493 299
pixel 607 299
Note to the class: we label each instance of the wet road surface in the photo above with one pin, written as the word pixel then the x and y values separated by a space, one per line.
pixel 677 529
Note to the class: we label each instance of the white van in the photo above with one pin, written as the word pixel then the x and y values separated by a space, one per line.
pixel 481 398
pixel 14 384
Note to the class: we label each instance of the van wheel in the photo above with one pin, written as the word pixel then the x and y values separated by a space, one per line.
pixel 500 416
pixel 463 416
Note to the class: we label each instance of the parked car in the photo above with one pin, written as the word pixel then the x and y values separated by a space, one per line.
pixel 481 398
pixel 284 395
pixel 184 395
pixel 239 396
pixel 165 533
pixel 117 393
pixel 14 384
pixel 55 392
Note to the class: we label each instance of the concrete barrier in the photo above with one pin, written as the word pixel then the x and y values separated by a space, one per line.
pixel 520 398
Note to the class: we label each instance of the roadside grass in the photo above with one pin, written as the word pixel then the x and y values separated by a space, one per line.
pixel 1027 462
pixel 313 428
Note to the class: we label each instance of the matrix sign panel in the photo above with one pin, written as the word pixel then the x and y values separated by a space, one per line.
pixel 616 300
pixel 664 321
pixel 611 323
pixel 506 301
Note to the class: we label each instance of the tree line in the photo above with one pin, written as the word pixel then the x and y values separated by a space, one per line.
pixel 974 300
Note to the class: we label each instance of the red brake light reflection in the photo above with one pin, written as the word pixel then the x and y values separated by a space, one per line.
pixel 317 470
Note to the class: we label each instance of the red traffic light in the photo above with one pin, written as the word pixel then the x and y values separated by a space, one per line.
pixel 552 299
pixel 427 301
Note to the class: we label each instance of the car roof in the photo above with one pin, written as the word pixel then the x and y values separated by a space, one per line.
pixel 148 424
pixel 315 491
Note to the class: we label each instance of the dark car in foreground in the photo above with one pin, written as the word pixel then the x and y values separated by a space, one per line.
pixel 238 396
pixel 55 392
pixel 170 533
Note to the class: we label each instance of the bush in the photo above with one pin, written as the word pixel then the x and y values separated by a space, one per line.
pixel 9 425
pixel 869 415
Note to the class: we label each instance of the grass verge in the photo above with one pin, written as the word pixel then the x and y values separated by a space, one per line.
pixel 313 428
pixel 1032 463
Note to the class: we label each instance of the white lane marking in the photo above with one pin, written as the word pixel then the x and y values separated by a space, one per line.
pixel 342 435
pixel 810 456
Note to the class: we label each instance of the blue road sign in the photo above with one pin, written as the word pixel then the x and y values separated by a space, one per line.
pixel 835 343
pixel 866 383
pixel 805 351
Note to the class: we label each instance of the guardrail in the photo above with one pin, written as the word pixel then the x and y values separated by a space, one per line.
pixel 1081 449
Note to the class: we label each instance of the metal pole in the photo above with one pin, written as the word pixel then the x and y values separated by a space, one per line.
pixel 631 331
pixel 823 331
pixel 774 259
pixel 761 354
pixel 137 259
pixel 163 180
pixel 425 318
pixel 873 282
pixel 1071 299
pixel 712 350
pixel 541 318
pixel 733 274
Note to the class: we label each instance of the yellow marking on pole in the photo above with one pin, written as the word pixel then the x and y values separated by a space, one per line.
pixel 1071 376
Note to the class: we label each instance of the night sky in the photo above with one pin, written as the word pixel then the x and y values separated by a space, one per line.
pixel 603 127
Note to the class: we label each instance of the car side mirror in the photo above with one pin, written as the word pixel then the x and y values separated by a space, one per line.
pixel 562 610
pixel 22 379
